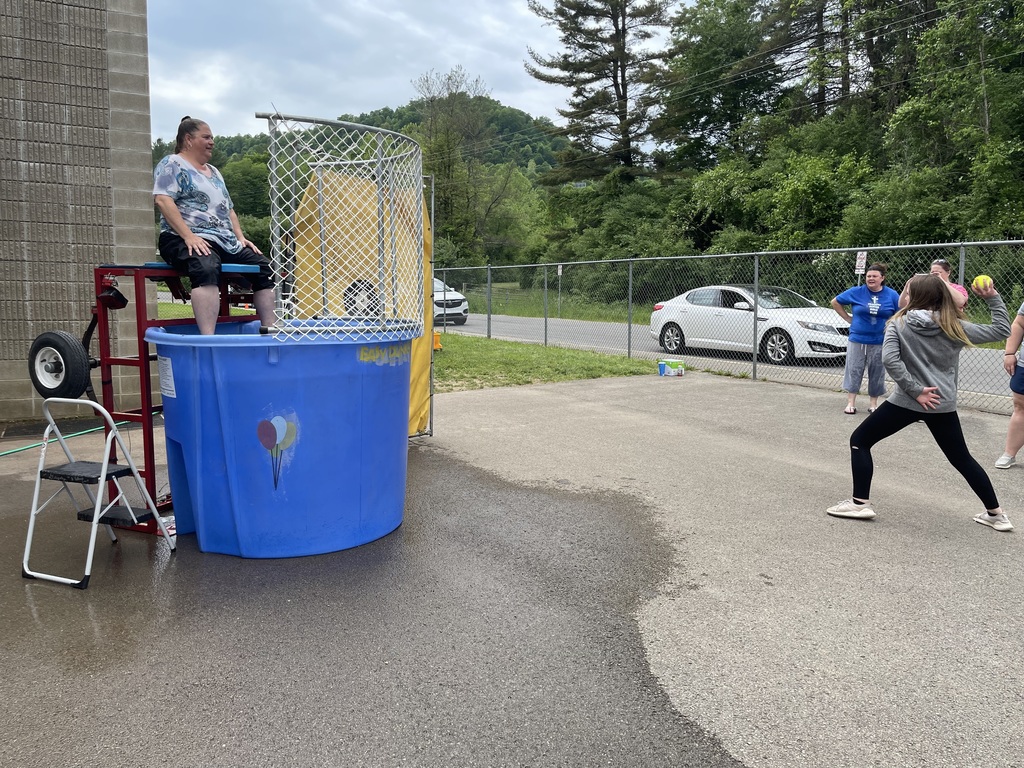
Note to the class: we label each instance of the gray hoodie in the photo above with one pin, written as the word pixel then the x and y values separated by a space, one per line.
pixel 918 354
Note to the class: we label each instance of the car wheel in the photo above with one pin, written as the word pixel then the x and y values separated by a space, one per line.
pixel 460 320
pixel 361 299
pixel 672 340
pixel 777 347
pixel 58 365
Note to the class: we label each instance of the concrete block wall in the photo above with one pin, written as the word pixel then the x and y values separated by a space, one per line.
pixel 75 172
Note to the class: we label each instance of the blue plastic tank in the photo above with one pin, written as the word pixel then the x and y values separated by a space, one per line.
pixel 282 447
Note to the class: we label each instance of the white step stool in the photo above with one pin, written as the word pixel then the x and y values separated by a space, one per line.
pixel 118 511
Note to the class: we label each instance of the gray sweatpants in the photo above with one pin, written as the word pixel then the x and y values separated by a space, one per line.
pixel 858 357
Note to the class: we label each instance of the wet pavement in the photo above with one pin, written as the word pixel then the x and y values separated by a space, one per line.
pixel 624 572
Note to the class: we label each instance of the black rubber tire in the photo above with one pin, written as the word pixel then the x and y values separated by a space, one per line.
pixel 58 365
pixel 671 339
pixel 777 347
pixel 460 320
pixel 361 300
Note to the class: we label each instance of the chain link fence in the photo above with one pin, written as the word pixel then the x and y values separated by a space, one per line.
pixel 794 337
pixel 347 229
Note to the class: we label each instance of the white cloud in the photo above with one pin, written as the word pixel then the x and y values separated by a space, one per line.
pixel 323 58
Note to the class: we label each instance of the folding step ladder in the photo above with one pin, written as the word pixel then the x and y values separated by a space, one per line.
pixel 118 511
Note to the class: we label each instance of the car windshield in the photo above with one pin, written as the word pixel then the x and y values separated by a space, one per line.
pixel 770 297
pixel 440 287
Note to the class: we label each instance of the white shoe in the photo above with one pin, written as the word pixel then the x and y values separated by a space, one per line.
pixel 1000 522
pixel 851 508
pixel 1005 461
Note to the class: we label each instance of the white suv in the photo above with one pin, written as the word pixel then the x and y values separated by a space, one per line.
pixel 449 305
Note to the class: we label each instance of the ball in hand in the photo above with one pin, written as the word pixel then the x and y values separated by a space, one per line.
pixel 981 282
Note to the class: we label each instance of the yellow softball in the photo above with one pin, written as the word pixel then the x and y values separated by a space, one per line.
pixel 981 282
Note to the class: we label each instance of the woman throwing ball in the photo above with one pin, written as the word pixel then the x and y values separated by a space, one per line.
pixel 921 352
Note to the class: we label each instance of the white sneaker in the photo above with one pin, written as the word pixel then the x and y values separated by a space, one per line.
pixel 1000 522
pixel 1005 461
pixel 851 508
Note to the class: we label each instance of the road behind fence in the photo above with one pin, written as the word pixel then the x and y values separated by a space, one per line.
pixel 606 306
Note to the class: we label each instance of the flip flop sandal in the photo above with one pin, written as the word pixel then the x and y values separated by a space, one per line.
pixel 849 411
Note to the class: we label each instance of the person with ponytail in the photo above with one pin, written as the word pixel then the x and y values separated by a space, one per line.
pixel 921 352
pixel 199 229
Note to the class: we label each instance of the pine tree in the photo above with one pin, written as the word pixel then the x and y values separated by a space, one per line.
pixel 717 77
pixel 607 69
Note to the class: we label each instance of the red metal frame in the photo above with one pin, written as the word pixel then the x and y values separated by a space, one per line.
pixel 104 276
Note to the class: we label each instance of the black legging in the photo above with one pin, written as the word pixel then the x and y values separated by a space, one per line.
pixel 889 419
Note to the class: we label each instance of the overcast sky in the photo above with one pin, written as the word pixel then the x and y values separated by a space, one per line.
pixel 222 61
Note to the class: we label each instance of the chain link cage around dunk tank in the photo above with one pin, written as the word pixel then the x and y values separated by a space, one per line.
pixel 347 230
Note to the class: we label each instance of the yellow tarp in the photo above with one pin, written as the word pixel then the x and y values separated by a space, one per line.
pixel 423 347
pixel 338 266
pixel 357 248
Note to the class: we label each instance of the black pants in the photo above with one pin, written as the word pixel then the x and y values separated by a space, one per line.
pixel 889 419
pixel 205 270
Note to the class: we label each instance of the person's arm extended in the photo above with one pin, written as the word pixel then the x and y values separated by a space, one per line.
pixel 237 227
pixel 959 295
pixel 999 328
pixel 165 204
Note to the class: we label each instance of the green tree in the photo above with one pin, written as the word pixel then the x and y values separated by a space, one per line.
pixel 257 229
pixel 452 128
pixel 804 196
pixel 515 224
pixel 608 70
pixel 229 148
pixel 900 206
pixel 716 78
pixel 248 181
pixel 161 149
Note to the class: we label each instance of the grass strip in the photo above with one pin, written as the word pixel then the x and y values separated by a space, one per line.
pixel 474 362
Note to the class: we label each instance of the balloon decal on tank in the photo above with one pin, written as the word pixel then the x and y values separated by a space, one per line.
pixel 276 435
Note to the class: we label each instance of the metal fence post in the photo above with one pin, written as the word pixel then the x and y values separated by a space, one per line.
pixel 488 301
pixel 545 305
pixel 757 278
pixel 629 313
pixel 444 296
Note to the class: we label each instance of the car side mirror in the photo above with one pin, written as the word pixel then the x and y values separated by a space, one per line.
pixel 742 305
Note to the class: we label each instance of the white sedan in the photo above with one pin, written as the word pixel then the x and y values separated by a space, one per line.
pixel 788 325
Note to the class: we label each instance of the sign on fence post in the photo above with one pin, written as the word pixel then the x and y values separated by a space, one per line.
pixel 862 260
pixel 559 291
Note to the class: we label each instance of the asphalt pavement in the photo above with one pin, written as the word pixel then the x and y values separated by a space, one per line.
pixel 622 572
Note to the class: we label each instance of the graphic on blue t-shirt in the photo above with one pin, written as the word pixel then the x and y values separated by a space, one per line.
pixel 870 310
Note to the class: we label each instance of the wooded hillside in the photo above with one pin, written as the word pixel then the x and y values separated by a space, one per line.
pixel 759 125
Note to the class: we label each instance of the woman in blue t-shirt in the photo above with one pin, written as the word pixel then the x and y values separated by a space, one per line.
pixel 871 306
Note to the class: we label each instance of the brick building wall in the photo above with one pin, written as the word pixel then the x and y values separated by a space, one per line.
pixel 75 171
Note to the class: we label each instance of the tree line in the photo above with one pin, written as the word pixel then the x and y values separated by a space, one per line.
pixel 720 126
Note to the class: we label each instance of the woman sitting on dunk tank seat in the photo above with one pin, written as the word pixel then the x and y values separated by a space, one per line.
pixel 199 229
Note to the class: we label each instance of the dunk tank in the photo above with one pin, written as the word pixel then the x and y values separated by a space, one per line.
pixel 292 439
